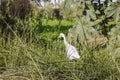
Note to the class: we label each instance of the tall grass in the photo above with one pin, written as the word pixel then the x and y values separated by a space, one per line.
pixel 32 56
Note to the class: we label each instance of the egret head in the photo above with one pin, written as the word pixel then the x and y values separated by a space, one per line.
pixel 62 36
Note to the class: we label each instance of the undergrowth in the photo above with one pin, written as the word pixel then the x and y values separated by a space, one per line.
pixel 30 48
pixel 33 56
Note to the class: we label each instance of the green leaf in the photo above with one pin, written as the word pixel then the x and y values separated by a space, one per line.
pixel 92 14
pixel 110 13
pixel 116 15
pixel 110 10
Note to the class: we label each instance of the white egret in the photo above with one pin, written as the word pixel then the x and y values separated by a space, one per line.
pixel 72 52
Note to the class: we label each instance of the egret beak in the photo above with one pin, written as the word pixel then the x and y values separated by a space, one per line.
pixel 61 38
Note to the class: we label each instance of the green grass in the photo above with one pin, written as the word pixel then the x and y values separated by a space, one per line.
pixel 50 63
pixel 41 56
pixel 52 28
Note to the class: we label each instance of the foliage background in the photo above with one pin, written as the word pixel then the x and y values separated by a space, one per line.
pixel 30 48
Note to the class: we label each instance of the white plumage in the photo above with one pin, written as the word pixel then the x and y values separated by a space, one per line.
pixel 72 52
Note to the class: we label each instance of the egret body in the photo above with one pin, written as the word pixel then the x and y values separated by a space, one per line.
pixel 72 52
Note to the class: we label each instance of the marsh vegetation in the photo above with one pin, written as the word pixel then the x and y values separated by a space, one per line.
pixel 30 48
